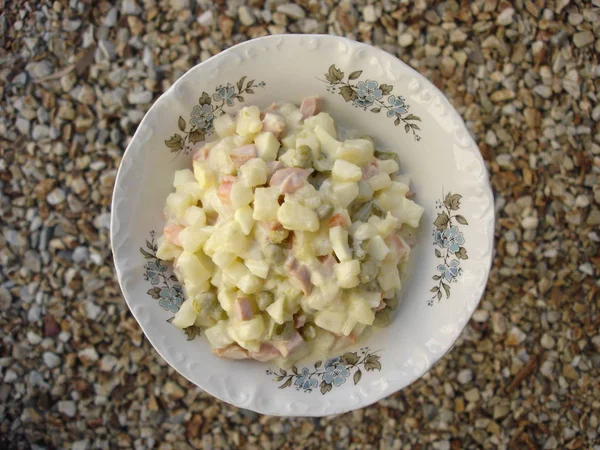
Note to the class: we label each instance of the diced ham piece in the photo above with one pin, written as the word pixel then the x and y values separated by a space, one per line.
pixel 289 179
pixel 337 220
pixel 299 273
pixel 272 107
pixel 232 351
pixel 288 346
pixel 370 171
pixel 224 189
pixel 310 106
pixel 266 353
pixel 242 155
pixel 381 304
pixel 171 233
pixel 398 246
pixel 242 309
pixel 410 195
pixel 201 154
pixel 274 166
pixel 273 123
pixel 299 320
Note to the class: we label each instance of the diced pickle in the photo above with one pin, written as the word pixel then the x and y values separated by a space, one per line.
pixel 368 271
pixel 274 253
pixel 264 299
pixel 302 157
pixel 383 318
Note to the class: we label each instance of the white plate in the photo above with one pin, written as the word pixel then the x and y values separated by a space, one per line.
pixel 363 88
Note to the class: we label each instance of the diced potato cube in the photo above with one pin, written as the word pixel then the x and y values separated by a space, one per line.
pixel 339 241
pixel 321 242
pixel 224 125
pixel 195 267
pixel 182 177
pixel 266 203
pixel 386 226
pixel 248 121
pixel 388 277
pixel 371 298
pixel 218 335
pixel 177 203
pixel 377 249
pixel 254 172
pixel 364 231
pixel 267 146
pixel 388 198
pixel 193 288
pixel 357 151
pixel 249 284
pixel 307 195
pixel 257 267
pixel 349 325
pixel 380 181
pixel 277 311
pixel 331 320
pixel 346 273
pixel 192 238
pixel 243 216
pixel 289 141
pixel 209 198
pixel 194 216
pixel 323 164
pixel 228 237
pixel 191 188
pixel 404 179
pixel 329 145
pixel 167 251
pixel 219 160
pixel 388 166
pixel 186 316
pixel 323 120
pixel 247 330
pixel 226 298
pixel 345 171
pixel 361 311
pixel 319 299
pixel 241 194
pixel 408 212
pixel 343 192
pixel 223 258
pixel 294 216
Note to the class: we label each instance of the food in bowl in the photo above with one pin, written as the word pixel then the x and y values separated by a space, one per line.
pixel 287 240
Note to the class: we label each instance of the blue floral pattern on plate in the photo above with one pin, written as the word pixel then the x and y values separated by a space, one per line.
pixel 332 374
pixel 449 242
pixel 166 288
pixel 370 94
pixel 203 114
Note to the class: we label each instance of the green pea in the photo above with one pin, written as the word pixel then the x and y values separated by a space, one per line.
pixel 308 332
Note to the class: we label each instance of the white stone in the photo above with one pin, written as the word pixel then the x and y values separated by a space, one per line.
pixel 481 315
pixel 130 8
pixel 67 407
pixel 518 334
pixel 33 338
pixel 80 445
pixel 140 98
pixel 369 14
pixel 530 223
pixel 405 40
pixel 88 353
pixel 40 132
pixel 56 196
pixel 206 18
pixel 547 341
pixel 178 5
pixel 505 17
pixel 465 376
pixel 292 10
pixel 245 15
pixel 51 360
pixel 23 125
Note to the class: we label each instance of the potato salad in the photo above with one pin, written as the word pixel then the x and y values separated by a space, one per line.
pixel 286 238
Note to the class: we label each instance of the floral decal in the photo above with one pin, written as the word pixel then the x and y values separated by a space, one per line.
pixel 165 287
pixel 375 97
pixel 334 373
pixel 448 241
pixel 203 114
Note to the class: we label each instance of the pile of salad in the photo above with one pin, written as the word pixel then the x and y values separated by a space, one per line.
pixel 286 239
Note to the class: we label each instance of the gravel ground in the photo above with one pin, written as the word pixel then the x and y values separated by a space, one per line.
pixel 75 80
